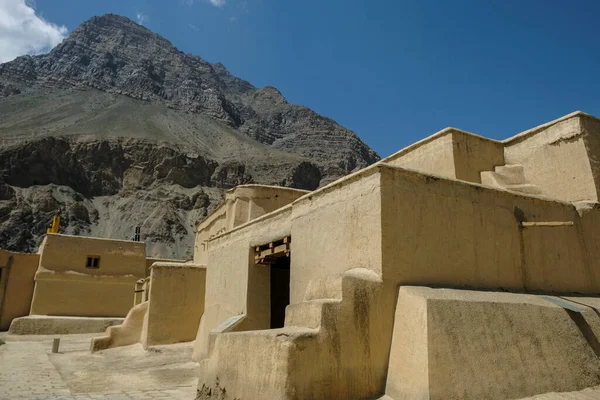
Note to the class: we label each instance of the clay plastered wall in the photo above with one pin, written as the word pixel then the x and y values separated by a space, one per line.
pixel 556 160
pixel 264 200
pixel 239 213
pixel 19 282
pixel 150 261
pixel 62 253
pixel 176 303
pixel 88 297
pixel 335 230
pixel 242 204
pixel 214 224
pixel 441 232
pixel 408 372
pixel 486 345
pixel 589 226
pixel 230 268
pixel 474 154
pixel 64 286
pixel 591 128
pixel 451 153
pixel 434 155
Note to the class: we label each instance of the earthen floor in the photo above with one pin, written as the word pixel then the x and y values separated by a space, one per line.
pixel 28 370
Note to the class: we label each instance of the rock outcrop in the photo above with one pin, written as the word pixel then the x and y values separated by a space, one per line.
pixel 116 128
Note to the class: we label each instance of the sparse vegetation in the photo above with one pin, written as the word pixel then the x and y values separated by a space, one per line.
pixel 2 342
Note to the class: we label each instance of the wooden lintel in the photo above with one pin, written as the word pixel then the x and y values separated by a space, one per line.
pixel 546 224
pixel 268 253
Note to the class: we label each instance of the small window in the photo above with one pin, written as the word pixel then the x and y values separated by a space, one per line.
pixel 93 262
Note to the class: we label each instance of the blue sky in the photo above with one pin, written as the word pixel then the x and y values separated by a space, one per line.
pixel 393 71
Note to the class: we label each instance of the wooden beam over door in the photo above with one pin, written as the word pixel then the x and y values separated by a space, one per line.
pixel 267 254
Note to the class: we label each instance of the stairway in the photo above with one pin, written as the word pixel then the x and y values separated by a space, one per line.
pixel 509 177
pixel 333 336
pixel 321 294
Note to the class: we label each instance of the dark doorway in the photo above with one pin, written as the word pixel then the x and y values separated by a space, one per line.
pixel 280 290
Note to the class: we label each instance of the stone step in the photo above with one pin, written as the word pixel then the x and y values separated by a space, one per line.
pixel 324 288
pixel 509 177
pixel 307 314
pixel 511 174
pixel 511 169
pixel 488 178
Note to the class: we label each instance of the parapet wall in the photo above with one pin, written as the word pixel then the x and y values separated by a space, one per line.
pixel 242 204
pixel 448 233
pixel 176 303
pixel 560 157
pixel 451 153
pixel 152 260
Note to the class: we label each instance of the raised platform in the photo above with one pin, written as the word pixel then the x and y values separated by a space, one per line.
pixel 462 344
pixel 58 325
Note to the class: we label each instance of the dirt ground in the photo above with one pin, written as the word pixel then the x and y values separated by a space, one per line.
pixel 28 370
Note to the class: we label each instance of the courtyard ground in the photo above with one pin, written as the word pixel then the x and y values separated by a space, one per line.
pixel 29 370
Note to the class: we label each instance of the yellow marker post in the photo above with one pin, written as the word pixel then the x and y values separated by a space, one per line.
pixel 55 223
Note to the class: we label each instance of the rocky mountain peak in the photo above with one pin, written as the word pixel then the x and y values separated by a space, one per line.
pixel 116 116
pixel 269 96
pixel 116 34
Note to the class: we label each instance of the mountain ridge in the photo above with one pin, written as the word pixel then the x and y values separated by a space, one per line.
pixel 100 106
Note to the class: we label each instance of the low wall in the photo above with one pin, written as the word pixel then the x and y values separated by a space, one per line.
pixel 484 345
pixel 16 285
pixel 48 325
pixel 152 260
pixel 129 332
pixel 82 296
pixel 18 282
pixel 451 153
pixel 176 303
pixel 474 154
pixel 434 154
pixel 558 157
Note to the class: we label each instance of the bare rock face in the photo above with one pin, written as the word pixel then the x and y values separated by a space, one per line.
pixel 116 128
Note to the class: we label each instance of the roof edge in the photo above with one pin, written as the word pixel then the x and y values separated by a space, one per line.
pixel 532 131
pixel 431 138
pixel 254 185
pixel 95 238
